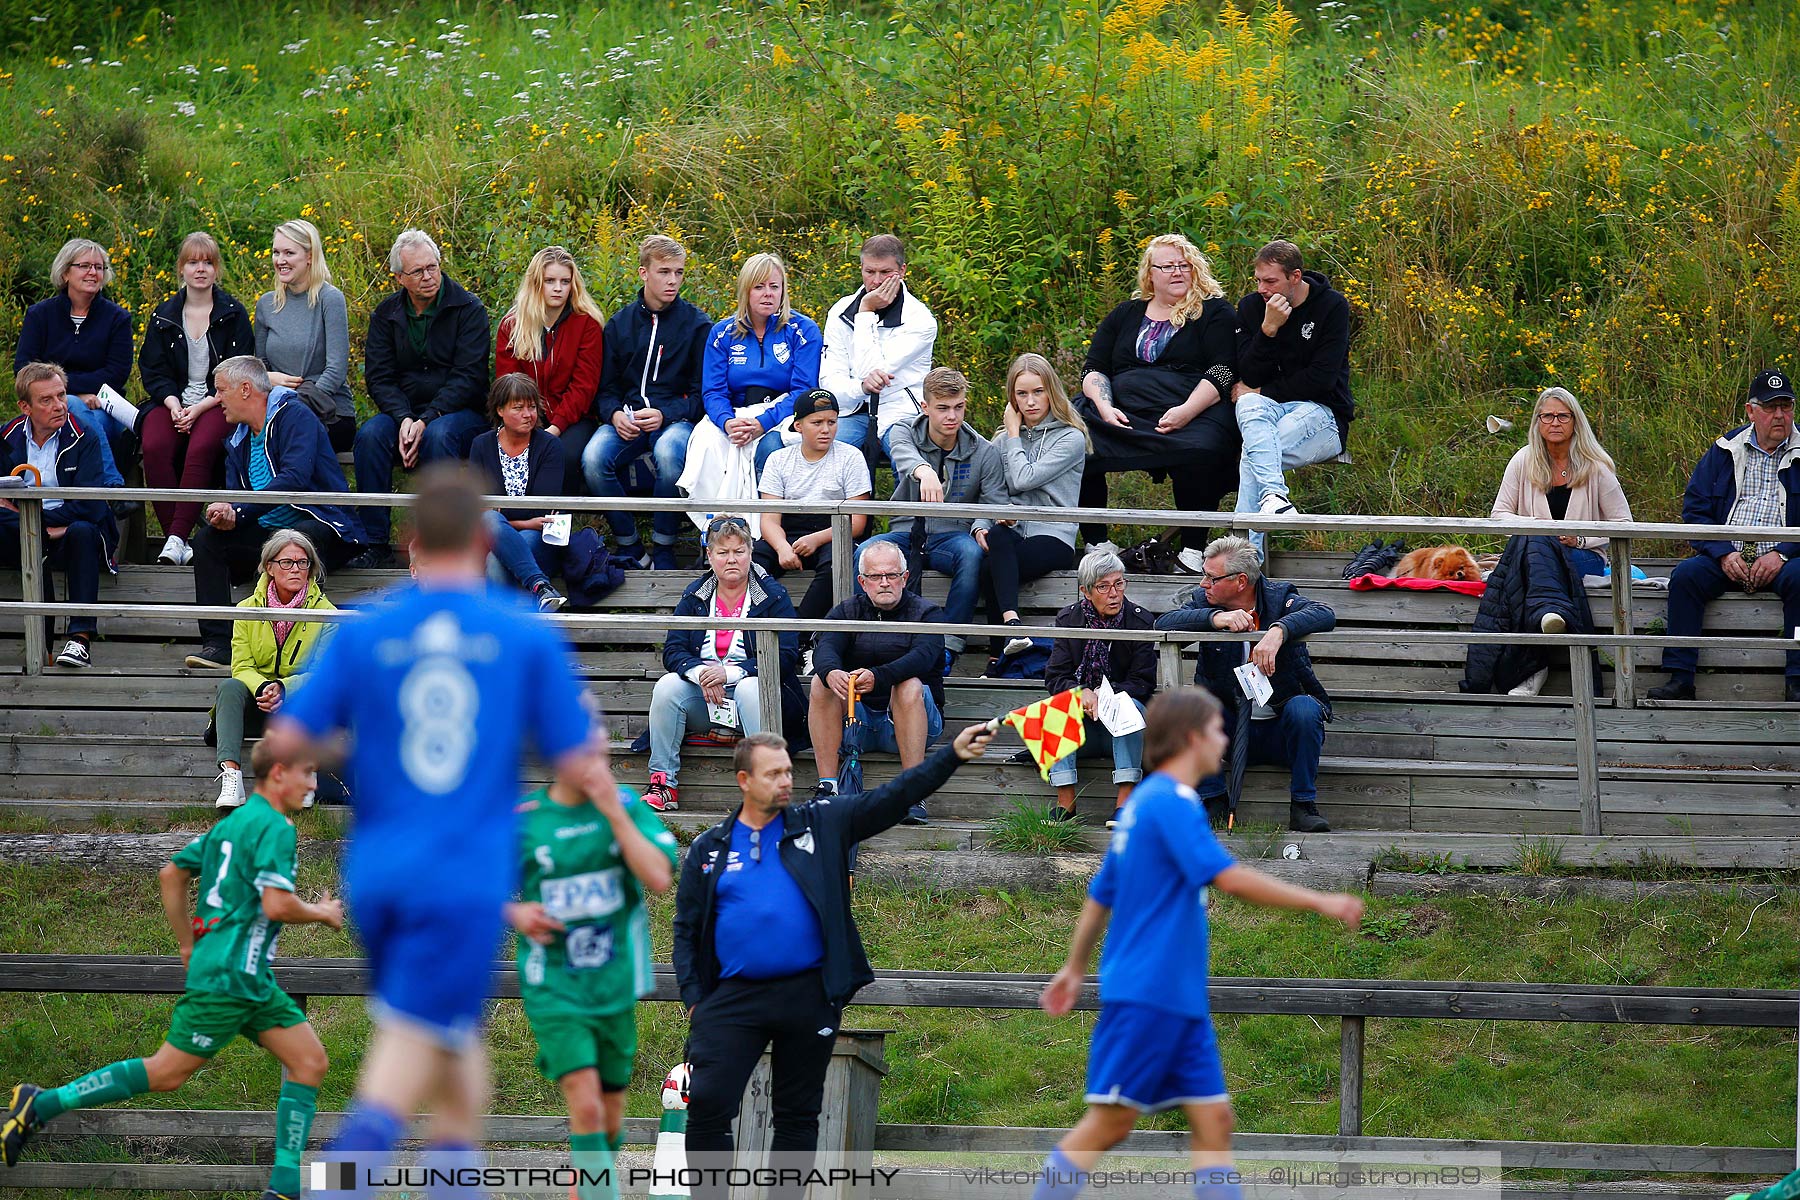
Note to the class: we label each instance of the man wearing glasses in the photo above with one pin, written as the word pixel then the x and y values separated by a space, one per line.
pixel 1750 476
pixel 1287 727
pixel 767 952
pixel 898 678
pixel 426 366
pixel 1293 391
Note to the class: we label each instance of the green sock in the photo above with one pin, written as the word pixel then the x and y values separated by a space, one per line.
pixel 615 1141
pixel 293 1121
pixel 109 1085
pixel 589 1152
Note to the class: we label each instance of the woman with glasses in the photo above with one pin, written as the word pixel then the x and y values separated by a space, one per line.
pixel 1156 386
pixel 89 337
pixel 1129 668
pixel 712 679
pixel 303 329
pixel 1562 473
pixel 268 657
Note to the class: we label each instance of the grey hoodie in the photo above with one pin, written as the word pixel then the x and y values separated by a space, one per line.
pixel 971 470
pixel 1043 470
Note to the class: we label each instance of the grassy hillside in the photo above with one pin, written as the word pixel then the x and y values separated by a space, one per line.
pixel 1603 195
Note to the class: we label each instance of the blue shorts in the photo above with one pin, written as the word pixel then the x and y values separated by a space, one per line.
pixel 1148 1059
pixel 432 962
pixel 879 723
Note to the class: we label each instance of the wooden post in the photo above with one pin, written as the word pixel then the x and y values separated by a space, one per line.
pixel 1168 666
pixel 1350 1076
pixel 1587 752
pixel 768 678
pixel 843 559
pixel 1624 666
pixel 31 577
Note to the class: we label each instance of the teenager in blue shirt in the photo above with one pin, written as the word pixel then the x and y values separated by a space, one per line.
pixel 765 351
pixel 439 687
pixel 1153 1047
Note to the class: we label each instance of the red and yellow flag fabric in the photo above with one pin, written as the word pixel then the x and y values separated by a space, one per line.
pixel 1051 728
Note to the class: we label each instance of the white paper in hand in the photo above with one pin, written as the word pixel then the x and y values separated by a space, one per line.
pixel 724 714
pixel 556 529
pixel 1254 684
pixel 1117 712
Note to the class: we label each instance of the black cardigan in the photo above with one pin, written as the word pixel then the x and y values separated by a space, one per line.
pixel 162 360
pixel 1206 346
pixel 543 468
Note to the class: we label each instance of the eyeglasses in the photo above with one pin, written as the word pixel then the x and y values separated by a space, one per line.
pixel 884 576
pixel 1776 404
pixel 424 272
pixel 89 268
pixel 1117 585
pixel 291 564
pixel 1209 577
pixel 1175 268
pixel 1556 418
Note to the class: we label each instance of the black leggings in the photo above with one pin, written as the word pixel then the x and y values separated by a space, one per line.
pixel 1194 491
pixel 1013 559
pixel 817 600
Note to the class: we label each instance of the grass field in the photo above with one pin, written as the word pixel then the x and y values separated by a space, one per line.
pixel 1512 193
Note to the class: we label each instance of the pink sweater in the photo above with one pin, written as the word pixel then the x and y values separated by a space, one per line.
pixel 1599 499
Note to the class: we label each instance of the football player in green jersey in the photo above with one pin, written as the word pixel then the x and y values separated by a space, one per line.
pixel 584 949
pixel 246 869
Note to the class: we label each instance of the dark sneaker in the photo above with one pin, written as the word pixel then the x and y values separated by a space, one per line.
pixel 634 553
pixel 19 1123
pixel 213 656
pixel 1793 691
pixel 824 790
pixel 1059 813
pixel 1305 818
pixel 1112 822
pixel 662 558
pixel 661 795
pixel 916 816
pixel 372 559
pixel 1680 687
pixel 548 599
pixel 1218 812
pixel 75 654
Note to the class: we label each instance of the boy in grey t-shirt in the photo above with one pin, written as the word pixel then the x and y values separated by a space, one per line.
pixel 819 468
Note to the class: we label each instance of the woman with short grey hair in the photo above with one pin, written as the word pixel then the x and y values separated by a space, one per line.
pixel 1084 664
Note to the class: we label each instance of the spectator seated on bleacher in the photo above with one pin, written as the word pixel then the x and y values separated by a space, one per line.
pixel 268 657
pixel 89 337
pixel 303 330
pixel 1750 477
pixel 1156 385
pixel 1561 473
pixel 80 536
pixel 519 457
pixel 426 365
pixel 878 343
pixel 1293 391
pixel 279 446
pixel 818 468
pixel 1042 443
pixel 897 678
pixel 1288 730
pixel 712 679
pixel 650 382
pixel 938 459
pixel 1128 668
pixel 553 334
pixel 182 426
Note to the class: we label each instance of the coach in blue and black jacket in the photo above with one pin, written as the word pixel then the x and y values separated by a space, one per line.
pixel 1290 730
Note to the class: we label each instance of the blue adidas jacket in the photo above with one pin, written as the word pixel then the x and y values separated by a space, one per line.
pixel 300 459
pixel 784 362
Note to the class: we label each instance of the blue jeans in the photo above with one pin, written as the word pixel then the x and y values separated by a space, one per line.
pixel 608 454
pixel 377 452
pixel 519 556
pixel 1293 738
pixel 1587 562
pixel 1279 437
pixel 1693 582
pixel 101 424
pixel 880 725
pixel 677 706
pixel 1127 754
pixel 957 555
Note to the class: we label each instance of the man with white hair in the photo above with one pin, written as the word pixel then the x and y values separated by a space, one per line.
pixel 426 366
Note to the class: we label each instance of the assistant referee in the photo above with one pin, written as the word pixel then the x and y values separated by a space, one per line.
pixel 766 950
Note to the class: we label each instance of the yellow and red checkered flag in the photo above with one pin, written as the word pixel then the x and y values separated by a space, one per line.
pixel 1051 728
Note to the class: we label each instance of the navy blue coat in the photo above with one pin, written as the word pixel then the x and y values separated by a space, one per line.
pixel 767 598
pixel 77 465
pixel 300 459
pixel 1712 489
pixel 99 353
pixel 162 360
pixel 654 359
pixel 543 468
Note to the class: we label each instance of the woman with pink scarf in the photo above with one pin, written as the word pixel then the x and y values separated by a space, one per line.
pixel 267 656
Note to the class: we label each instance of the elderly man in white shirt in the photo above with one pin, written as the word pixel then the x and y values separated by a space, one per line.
pixel 877 346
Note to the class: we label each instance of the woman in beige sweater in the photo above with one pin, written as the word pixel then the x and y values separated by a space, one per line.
pixel 1563 474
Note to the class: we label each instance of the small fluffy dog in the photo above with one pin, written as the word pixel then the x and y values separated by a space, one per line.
pixel 1438 562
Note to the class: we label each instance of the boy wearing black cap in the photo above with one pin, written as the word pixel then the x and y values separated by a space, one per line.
pixel 818 468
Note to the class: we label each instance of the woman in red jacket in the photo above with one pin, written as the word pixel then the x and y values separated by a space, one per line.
pixel 552 334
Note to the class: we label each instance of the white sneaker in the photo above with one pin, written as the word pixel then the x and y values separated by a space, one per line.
pixel 1553 622
pixel 175 552
pixel 231 788
pixel 310 798
pixel 806 661
pixel 1533 685
pixel 1274 504
pixel 1108 546
pixel 1193 560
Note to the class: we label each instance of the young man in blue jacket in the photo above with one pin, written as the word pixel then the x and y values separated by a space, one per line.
pixel 1750 476
pixel 279 446
pixel 1289 729
pixel 79 535
pixel 649 396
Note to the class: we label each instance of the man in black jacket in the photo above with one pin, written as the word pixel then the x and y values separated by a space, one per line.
pixel 1288 730
pixel 426 365
pixel 898 678
pixel 1293 391
pixel 766 948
